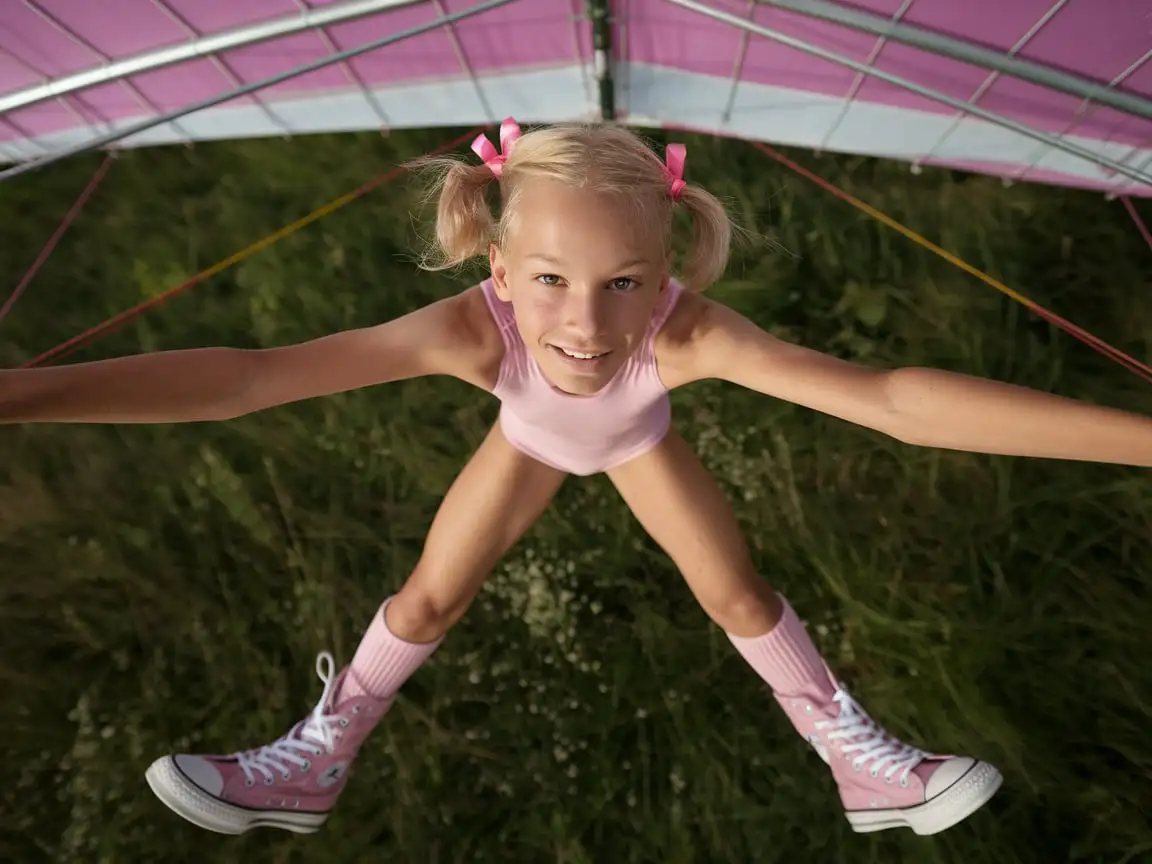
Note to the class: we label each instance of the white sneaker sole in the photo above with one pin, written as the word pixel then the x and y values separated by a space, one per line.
pixel 186 799
pixel 953 805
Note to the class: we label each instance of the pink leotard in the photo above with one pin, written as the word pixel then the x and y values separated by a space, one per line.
pixel 581 434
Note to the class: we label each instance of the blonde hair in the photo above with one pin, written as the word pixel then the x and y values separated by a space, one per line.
pixel 603 158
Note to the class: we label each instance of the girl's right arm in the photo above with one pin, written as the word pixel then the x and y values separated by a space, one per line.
pixel 448 337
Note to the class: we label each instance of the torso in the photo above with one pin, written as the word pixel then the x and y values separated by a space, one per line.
pixel 587 434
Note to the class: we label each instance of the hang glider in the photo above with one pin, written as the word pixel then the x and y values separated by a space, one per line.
pixel 1051 91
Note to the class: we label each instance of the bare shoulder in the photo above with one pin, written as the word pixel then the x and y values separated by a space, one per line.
pixel 470 346
pixel 455 337
pixel 705 339
pixel 693 324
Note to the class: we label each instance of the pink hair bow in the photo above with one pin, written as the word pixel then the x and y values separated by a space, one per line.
pixel 674 157
pixel 482 147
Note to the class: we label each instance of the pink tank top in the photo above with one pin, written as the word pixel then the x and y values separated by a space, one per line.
pixel 581 434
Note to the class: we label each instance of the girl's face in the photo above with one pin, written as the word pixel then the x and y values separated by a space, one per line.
pixel 583 279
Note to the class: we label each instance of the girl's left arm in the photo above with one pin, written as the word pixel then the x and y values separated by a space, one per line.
pixel 925 407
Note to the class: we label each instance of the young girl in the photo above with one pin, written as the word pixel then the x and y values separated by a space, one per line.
pixel 580 332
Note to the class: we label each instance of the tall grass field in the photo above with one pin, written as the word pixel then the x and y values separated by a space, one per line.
pixel 168 587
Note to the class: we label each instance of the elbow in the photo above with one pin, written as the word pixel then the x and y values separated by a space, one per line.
pixel 240 394
pixel 902 397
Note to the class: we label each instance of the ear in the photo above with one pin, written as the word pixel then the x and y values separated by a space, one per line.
pixel 499 272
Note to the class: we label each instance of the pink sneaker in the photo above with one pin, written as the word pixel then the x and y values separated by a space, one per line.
pixel 292 783
pixel 885 783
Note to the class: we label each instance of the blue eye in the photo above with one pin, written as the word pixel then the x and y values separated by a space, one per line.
pixel 621 284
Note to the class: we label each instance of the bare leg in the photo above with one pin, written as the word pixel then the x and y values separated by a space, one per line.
pixel 684 510
pixel 294 782
pixel 496 498
pixel 883 782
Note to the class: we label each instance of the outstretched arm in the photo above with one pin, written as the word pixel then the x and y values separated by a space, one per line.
pixel 926 407
pixel 960 412
pixel 444 338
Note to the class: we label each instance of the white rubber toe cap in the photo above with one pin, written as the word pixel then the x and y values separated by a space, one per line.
pixel 204 774
pixel 947 775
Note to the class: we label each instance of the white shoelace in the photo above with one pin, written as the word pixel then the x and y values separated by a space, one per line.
pixel 314 735
pixel 874 743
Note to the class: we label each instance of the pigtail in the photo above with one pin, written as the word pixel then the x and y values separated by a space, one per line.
pixel 711 237
pixel 464 223
pixel 604 157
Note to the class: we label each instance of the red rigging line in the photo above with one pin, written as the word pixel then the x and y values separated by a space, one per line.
pixel 70 217
pixel 91 335
pixel 1141 225
pixel 1130 363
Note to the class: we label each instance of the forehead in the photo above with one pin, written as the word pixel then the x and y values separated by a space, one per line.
pixel 569 223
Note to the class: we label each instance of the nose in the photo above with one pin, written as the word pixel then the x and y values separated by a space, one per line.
pixel 584 312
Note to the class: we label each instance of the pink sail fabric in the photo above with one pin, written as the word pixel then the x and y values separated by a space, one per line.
pixel 534 60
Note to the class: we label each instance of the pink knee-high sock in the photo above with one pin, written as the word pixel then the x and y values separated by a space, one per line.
pixel 786 658
pixel 383 661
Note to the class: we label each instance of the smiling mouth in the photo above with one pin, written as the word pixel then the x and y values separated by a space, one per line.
pixel 580 355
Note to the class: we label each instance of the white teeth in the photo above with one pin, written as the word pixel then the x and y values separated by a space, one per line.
pixel 579 355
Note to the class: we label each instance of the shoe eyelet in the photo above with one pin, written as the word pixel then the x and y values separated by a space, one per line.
pixel 903 782
pixel 268 781
pixel 856 768
pixel 248 784
pixel 807 709
pixel 355 709
pixel 308 765
pixel 875 775
pixel 888 781
pixel 286 775
pixel 344 722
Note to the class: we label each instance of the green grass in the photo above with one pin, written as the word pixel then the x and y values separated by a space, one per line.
pixel 168 587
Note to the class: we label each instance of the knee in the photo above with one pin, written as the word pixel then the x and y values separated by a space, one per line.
pixel 746 612
pixel 418 613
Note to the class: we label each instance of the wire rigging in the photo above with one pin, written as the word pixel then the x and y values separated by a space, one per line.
pixel 91 335
pixel 88 337
pixel 1132 364
pixel 70 217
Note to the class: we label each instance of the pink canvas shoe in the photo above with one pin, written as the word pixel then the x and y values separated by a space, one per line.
pixel 885 783
pixel 292 783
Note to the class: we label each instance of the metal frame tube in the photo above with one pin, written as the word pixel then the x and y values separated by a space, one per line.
pixel 145 125
pixel 912 86
pixel 354 77
pixel 220 64
pixel 860 78
pixel 600 14
pixel 956 49
pixel 333 13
